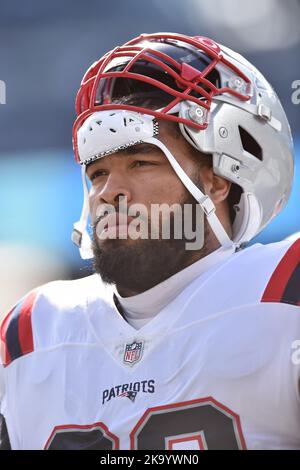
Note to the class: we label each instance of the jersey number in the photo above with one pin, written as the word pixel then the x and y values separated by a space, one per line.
pixel 197 425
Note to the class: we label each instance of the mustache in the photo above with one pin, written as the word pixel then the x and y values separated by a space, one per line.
pixel 142 217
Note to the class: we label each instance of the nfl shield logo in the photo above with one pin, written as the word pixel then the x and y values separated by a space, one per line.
pixel 133 352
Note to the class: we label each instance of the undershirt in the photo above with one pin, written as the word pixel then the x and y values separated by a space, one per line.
pixel 139 309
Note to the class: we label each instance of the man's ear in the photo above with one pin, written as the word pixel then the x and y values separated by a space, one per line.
pixel 216 187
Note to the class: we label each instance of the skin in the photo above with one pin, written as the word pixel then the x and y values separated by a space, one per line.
pixel 143 174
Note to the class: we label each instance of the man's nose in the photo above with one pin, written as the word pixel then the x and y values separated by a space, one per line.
pixel 114 190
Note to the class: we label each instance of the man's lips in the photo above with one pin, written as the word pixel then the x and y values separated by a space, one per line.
pixel 115 220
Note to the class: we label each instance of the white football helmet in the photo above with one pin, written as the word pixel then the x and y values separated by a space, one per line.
pixel 223 106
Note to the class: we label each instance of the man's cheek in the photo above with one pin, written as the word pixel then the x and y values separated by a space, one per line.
pixel 93 210
pixel 92 198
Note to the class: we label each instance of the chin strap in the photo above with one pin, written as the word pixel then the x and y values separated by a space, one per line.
pixel 204 201
pixel 80 235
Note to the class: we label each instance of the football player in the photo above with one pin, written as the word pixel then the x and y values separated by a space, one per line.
pixel 166 347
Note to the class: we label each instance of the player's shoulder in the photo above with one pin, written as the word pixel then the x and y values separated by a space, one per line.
pixel 52 313
pixel 251 278
pixel 268 273
pixel 273 271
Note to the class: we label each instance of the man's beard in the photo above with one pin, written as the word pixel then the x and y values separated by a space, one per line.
pixel 137 266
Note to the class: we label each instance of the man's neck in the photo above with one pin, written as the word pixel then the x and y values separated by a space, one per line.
pixel 191 258
pixel 140 309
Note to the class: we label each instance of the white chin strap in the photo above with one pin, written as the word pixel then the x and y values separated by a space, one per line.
pixel 204 201
pixel 143 128
pixel 80 234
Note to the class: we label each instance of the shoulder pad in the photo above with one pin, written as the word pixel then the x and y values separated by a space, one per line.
pixel 16 330
pixel 284 283
pixel 54 313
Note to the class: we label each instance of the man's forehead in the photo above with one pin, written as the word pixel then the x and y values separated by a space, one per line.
pixel 167 130
pixel 143 147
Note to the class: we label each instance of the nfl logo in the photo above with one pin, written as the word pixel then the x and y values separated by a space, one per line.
pixel 133 352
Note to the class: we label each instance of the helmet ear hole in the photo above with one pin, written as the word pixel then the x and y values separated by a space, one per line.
pixel 250 144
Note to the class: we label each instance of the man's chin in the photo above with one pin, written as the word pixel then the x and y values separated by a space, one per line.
pixel 137 265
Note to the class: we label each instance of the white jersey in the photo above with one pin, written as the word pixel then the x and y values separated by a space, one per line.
pixel 217 368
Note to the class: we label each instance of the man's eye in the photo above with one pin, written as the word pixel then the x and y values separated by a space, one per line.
pixel 97 173
pixel 143 163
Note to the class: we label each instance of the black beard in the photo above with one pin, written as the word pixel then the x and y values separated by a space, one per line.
pixel 143 263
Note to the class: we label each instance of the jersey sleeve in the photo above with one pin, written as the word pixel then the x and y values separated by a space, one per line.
pixel 16 339
pixel 4 437
pixel 283 287
pixel 16 330
pixel 284 283
pixel 2 386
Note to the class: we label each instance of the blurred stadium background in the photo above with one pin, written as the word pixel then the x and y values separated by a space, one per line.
pixel 45 47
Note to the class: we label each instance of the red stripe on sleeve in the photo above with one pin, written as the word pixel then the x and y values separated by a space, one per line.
pixel 25 325
pixel 280 277
pixel 5 356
